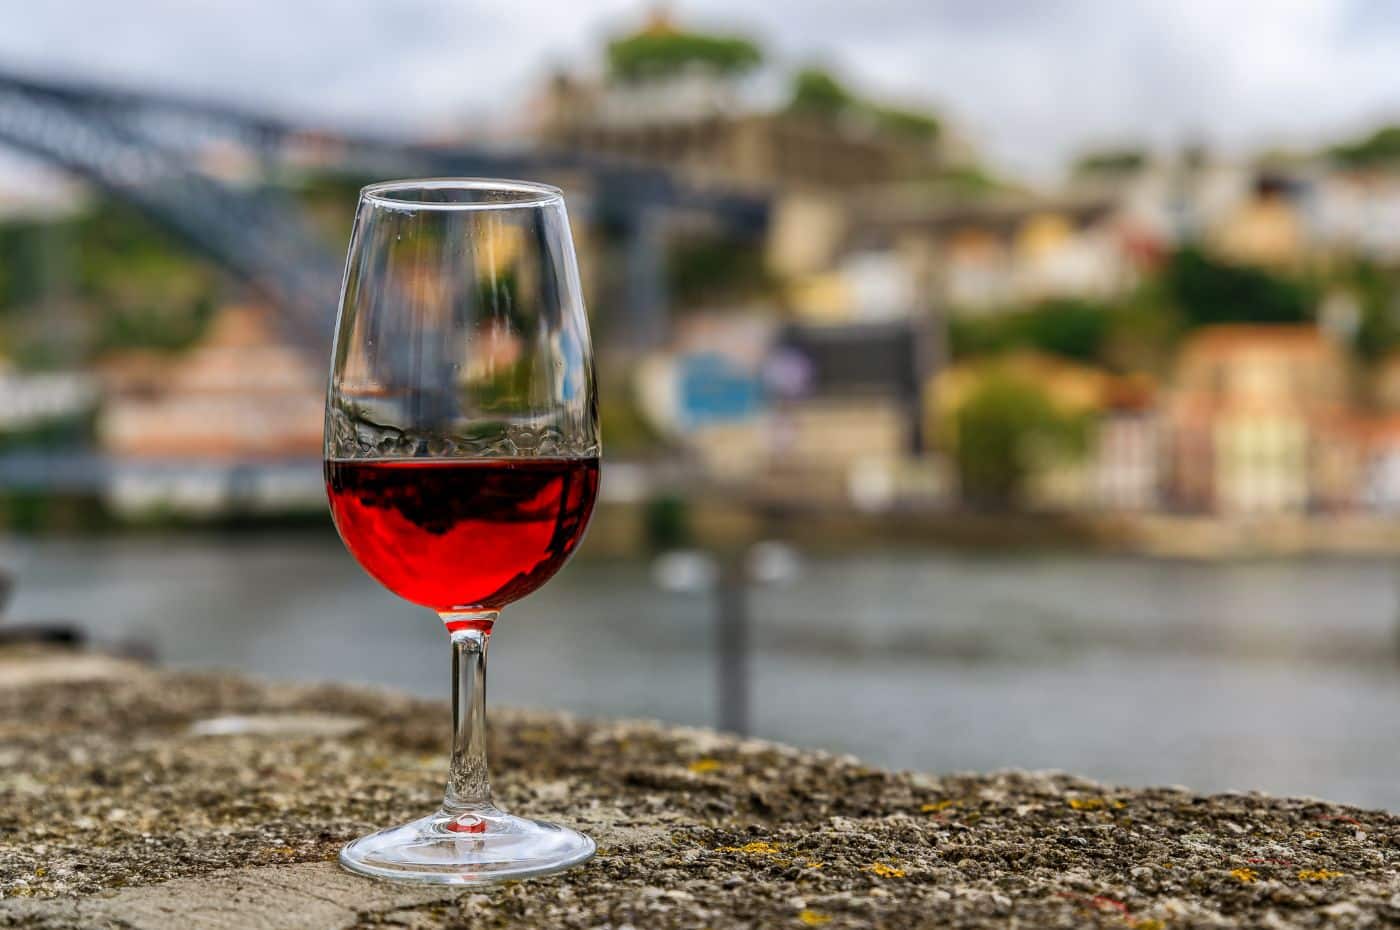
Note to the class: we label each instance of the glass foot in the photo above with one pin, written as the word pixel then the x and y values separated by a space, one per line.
pixel 467 848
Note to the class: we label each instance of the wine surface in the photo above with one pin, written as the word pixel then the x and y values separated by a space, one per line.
pixel 456 535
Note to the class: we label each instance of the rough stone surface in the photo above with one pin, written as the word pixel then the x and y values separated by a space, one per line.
pixel 121 806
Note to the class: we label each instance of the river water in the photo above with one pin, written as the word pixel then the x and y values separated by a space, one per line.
pixel 1277 675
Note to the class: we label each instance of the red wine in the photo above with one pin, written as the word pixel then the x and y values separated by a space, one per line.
pixel 456 535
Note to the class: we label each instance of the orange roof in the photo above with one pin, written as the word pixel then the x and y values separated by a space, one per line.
pixel 1380 430
pixel 134 371
pixel 238 325
pixel 1201 406
pixel 1134 391
pixel 1234 338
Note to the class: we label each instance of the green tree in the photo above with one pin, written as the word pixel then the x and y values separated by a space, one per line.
pixel 1210 291
pixel 1378 294
pixel 1109 162
pixel 21 263
pixel 914 124
pixel 816 91
pixel 1073 328
pixel 662 53
pixel 1380 147
pixel 1077 329
pixel 148 289
pixel 999 431
pixel 968 181
pixel 713 268
pixel 1143 333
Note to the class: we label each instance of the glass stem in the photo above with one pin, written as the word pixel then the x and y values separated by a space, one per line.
pixel 469 783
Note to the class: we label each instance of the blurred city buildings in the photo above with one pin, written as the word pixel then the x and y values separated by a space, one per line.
pixel 1160 333
pixel 237 393
pixel 685 101
pixel 876 266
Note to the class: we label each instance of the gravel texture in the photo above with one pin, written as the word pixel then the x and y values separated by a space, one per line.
pixel 126 802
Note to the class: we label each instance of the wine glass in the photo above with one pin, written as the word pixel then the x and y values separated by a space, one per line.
pixel 461 451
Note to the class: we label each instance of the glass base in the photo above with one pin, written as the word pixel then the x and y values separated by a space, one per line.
pixel 476 847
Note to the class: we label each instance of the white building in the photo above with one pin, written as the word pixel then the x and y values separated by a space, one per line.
pixel 1128 461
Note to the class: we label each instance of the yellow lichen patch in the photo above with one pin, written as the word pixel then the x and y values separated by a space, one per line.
pixel 705 766
pixel 1244 875
pixel 937 806
pixel 1318 875
pixel 812 918
pixel 1150 923
pixel 1095 804
pixel 813 865
pixel 757 848
pixel 41 871
pixel 884 870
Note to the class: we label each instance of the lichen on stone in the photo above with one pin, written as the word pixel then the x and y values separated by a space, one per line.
pixel 114 795
pixel 1318 875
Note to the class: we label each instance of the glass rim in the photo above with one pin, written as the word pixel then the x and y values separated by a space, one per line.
pixel 518 194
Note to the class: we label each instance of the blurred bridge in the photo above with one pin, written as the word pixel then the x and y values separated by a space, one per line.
pixel 150 149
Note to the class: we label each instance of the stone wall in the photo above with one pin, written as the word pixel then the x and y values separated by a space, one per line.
pixel 136 798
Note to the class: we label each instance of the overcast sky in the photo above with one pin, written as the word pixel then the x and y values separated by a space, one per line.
pixel 1030 82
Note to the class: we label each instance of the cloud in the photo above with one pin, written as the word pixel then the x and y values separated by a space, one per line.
pixel 1032 81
